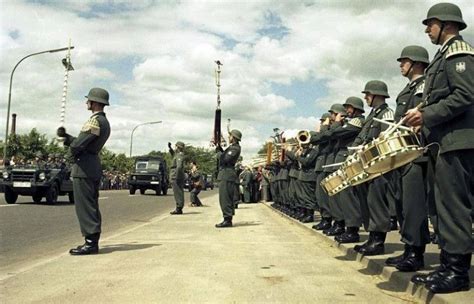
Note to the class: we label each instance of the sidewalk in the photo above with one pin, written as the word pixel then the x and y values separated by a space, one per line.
pixel 394 279
pixel 264 258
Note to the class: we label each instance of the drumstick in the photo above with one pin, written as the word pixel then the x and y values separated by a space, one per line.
pixel 398 125
pixel 333 165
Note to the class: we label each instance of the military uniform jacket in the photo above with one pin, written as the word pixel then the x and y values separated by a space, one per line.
pixel 86 146
pixel 409 97
pixel 294 166
pixel 371 128
pixel 448 115
pixel 227 160
pixel 307 161
pixel 328 149
pixel 322 145
pixel 177 166
pixel 345 135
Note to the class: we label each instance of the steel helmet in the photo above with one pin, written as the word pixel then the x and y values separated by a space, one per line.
pixel 337 108
pixel 445 12
pixel 180 144
pixel 236 134
pixel 355 102
pixel 376 87
pixel 415 53
pixel 98 95
pixel 325 116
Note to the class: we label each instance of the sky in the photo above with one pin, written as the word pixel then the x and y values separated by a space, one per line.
pixel 284 63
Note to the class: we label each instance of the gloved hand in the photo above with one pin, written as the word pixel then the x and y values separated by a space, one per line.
pixel 61 132
pixel 170 146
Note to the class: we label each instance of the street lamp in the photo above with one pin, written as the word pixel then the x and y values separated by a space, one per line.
pixel 5 144
pixel 145 123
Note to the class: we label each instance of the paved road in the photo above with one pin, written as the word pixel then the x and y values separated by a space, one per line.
pixel 31 232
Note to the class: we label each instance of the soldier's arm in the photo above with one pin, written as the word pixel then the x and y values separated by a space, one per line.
pixel 309 159
pixel 350 129
pixel 462 94
pixel 90 131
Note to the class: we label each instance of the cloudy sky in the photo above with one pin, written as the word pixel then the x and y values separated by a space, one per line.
pixel 285 63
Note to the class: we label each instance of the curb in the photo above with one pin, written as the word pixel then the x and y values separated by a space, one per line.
pixel 397 280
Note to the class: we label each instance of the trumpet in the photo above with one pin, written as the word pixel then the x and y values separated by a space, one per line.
pixel 295 138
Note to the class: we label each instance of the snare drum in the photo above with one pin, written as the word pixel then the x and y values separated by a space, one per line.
pixel 390 152
pixel 354 172
pixel 335 182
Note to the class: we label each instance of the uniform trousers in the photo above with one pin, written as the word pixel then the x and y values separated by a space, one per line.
pixel 178 192
pixel 349 204
pixel 378 203
pixel 322 197
pixel 226 197
pixel 86 202
pixel 193 196
pixel 454 198
pixel 306 194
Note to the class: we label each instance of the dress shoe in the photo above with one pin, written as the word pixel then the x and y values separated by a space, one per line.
pixel 375 245
pixel 456 276
pixel 86 248
pixel 350 236
pixel 227 222
pixel 324 224
pixel 177 211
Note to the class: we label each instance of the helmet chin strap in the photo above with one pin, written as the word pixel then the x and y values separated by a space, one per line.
pixel 440 32
pixel 410 69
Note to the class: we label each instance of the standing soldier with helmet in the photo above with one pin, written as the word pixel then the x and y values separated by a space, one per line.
pixel 87 170
pixel 411 181
pixel 227 177
pixel 376 207
pixel 346 202
pixel 177 175
pixel 448 119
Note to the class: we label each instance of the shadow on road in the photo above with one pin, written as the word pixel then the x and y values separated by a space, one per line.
pixel 242 224
pixel 125 247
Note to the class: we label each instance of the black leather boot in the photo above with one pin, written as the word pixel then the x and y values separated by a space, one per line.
pixel 456 277
pixel 376 246
pixel 393 261
pixel 434 275
pixel 302 214
pixel 324 224
pixel 337 229
pixel 227 222
pixel 350 236
pixel 393 223
pixel 309 217
pixel 90 246
pixel 177 211
pixel 413 260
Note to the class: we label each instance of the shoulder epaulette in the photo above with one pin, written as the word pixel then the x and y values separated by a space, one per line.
pixel 388 115
pixel 420 88
pixel 356 122
pixel 459 47
pixel 92 126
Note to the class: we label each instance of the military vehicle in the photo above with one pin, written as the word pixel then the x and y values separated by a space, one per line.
pixel 149 172
pixel 37 182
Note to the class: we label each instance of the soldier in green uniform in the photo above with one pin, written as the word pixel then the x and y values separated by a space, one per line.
pixel 87 170
pixel 375 207
pixel 413 218
pixel 196 182
pixel 177 175
pixel 448 119
pixel 345 206
pixel 227 177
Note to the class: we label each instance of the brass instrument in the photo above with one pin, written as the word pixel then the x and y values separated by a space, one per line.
pixel 294 138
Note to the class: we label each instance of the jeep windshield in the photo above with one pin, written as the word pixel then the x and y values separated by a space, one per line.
pixel 147 165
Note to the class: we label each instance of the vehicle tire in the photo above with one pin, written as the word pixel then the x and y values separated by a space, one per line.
pixel 10 196
pixel 37 198
pixel 142 191
pixel 132 190
pixel 52 195
pixel 158 191
pixel 71 197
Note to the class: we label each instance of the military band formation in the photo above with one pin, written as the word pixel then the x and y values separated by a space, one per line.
pixel 401 166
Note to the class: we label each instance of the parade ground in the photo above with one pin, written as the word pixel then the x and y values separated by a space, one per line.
pixel 265 258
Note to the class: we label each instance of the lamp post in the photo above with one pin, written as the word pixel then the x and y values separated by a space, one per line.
pixel 5 144
pixel 145 123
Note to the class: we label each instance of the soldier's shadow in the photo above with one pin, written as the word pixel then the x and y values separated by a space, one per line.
pixel 125 247
pixel 248 223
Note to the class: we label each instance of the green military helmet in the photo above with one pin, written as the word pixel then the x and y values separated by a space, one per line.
pixel 337 108
pixel 376 87
pixel 180 144
pixel 415 53
pixel 98 95
pixel 445 12
pixel 325 116
pixel 236 134
pixel 355 102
